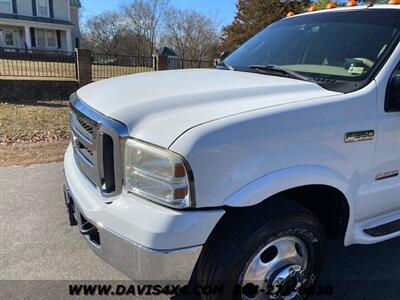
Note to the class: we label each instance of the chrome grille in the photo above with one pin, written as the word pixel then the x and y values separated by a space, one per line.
pixel 85 145
pixel 96 144
pixel 88 128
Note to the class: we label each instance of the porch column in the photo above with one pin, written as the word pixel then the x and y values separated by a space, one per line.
pixel 68 36
pixel 28 39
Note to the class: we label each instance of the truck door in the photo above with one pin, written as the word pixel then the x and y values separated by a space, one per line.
pixel 385 196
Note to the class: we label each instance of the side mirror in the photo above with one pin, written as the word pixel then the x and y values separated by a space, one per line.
pixel 395 82
pixel 224 55
pixel 393 97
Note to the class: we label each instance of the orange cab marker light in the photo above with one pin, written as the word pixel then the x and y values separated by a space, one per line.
pixel 351 3
pixel 331 5
pixel 312 7
pixel 290 14
pixel 394 2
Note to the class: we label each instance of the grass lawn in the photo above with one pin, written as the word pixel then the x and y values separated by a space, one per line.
pixel 34 132
pixel 29 154
pixel 38 132
pixel 101 71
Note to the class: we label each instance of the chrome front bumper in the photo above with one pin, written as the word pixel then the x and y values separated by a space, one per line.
pixel 144 240
pixel 137 262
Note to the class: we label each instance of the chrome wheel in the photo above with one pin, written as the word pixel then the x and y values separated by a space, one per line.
pixel 276 271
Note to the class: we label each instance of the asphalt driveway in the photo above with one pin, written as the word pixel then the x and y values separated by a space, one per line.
pixel 38 246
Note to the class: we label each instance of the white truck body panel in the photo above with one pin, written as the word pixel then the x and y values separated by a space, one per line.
pixel 145 223
pixel 187 98
pixel 242 123
pixel 247 137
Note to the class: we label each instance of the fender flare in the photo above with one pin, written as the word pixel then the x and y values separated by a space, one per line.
pixel 285 179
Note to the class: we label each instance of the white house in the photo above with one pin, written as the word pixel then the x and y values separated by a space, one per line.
pixel 39 24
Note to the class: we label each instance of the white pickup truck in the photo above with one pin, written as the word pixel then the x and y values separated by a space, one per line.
pixel 236 175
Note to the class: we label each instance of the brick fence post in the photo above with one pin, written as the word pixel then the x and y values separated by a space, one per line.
pixel 84 66
pixel 160 62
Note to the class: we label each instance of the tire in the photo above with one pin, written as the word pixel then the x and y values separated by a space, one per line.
pixel 242 240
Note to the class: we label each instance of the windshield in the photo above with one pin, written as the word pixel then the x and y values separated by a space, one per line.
pixel 336 45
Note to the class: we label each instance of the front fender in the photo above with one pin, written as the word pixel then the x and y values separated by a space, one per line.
pixel 285 179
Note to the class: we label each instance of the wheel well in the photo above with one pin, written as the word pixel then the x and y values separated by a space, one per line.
pixel 327 203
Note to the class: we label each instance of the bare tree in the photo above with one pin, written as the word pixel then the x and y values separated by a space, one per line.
pixel 104 33
pixel 145 17
pixel 136 29
pixel 109 34
pixel 191 34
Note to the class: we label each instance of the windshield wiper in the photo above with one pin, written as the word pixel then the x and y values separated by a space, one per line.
pixel 274 68
pixel 229 67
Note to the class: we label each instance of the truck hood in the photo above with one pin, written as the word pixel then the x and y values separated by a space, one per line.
pixel 158 107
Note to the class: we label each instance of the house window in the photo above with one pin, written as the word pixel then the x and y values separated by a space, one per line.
pixel 41 38
pixel 42 8
pixel 51 39
pixel 6 6
pixel 46 38
pixel 9 39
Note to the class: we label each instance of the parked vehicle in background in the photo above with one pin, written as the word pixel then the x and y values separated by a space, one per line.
pixel 237 175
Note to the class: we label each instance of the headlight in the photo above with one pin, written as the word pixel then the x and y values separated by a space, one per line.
pixel 157 174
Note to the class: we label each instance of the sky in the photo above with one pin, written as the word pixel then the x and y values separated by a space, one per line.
pixel 224 10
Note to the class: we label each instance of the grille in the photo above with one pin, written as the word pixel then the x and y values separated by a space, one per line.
pixel 85 146
pixel 87 127
pixel 96 145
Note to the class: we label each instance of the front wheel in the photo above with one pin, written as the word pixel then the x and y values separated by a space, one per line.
pixel 270 252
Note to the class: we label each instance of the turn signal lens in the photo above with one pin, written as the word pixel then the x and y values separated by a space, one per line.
pixel 394 2
pixel 312 8
pixel 351 3
pixel 331 5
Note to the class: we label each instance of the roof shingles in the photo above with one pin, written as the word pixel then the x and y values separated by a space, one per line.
pixel 165 51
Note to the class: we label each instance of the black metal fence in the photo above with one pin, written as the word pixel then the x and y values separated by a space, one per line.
pixel 106 66
pixel 59 65
pixel 37 64
pixel 177 63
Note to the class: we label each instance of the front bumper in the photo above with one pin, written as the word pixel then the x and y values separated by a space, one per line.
pixel 145 241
